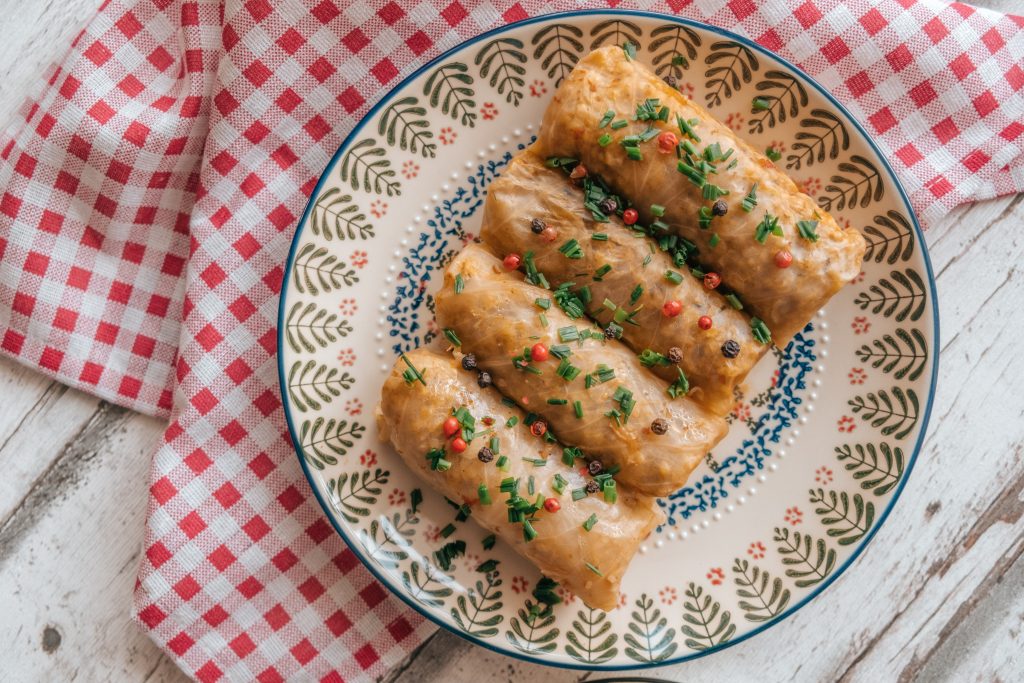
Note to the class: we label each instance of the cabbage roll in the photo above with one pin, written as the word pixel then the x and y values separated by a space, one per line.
pixel 588 531
pixel 532 208
pixel 655 146
pixel 591 392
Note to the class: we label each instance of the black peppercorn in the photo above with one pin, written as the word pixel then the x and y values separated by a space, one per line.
pixel 469 362
pixel 675 355
pixel 610 332
pixel 485 454
pixel 483 379
pixel 659 426
pixel 730 349
pixel 537 225
pixel 608 205
pixel 719 208
pixel 594 467
pixel 593 486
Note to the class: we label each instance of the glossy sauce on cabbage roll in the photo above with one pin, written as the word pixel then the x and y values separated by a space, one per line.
pixel 410 416
pixel 598 397
pixel 824 256
pixel 641 279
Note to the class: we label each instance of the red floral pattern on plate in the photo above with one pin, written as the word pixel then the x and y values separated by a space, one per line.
pixel 794 516
pixel 823 475
pixel 846 424
pixel 860 324
pixel 668 595
pixel 716 576
pixel 857 375
pixel 756 550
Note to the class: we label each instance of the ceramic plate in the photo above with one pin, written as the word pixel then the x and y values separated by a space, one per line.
pixel 823 437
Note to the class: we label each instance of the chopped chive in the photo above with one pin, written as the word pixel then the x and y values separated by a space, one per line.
pixel 590 522
pixel 606 119
pixel 646 261
pixel 593 568
pixel 530 486
pixel 601 272
pixel 696 177
pixel 636 294
pixel 529 533
pixel 558 484
pixel 711 192
pixel 557 401
pixel 484 494
pixel 760 331
pixel 650 358
pixel 680 387
pixel 452 337
pixel 658 210
pixel 621 123
pixel 630 50
pixel 543 303
pixel 773 154
pixel 734 301
pixel 760 104
pixel 511 422
pixel 673 277
pixel 495 445
pixel 608 489
pixel 448 531
pixel 543 319
pixel 460 284
pixel 571 249
pixel 568 333
pixel 604 140
pixel 489 541
pixel 634 153
pixel 536 462
pixel 715 239
pixel 807 230
pixel 686 127
pixel 697 272
pixel 412 373
pixel 600 236
pixel 769 225
pixel 569 455
pixel 750 201
pixel 577 408
pixel 560 351
pixel 502 463
pixel 579 494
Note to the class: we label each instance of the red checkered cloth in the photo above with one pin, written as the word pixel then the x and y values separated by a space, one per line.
pixel 149 197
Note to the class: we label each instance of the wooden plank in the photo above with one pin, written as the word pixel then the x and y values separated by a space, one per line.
pixel 69 555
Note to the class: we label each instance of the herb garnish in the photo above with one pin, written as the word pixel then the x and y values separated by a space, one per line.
pixel 412 373
pixel 606 119
pixel 807 230
pixel 680 387
pixel 734 301
pixel 460 284
pixel 448 552
pixel 768 225
pixel 489 541
pixel 534 276
pixel 750 201
pixel 686 127
pixel 773 154
pixel 630 50
pixel 673 277
pixel 650 358
pixel 760 331
pixel 604 140
pixel 452 337
pixel 760 104
pixel 572 250
pixel 437 461
pixel 590 522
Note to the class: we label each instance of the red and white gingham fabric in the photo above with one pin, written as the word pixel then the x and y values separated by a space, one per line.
pixel 149 194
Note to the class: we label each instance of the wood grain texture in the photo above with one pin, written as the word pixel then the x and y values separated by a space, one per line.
pixel 947 606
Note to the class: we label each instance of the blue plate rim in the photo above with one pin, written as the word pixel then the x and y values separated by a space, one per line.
pixel 725 33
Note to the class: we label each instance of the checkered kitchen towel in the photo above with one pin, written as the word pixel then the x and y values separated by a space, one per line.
pixel 149 194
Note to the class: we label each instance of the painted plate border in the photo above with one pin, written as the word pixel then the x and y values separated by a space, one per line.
pixel 303 221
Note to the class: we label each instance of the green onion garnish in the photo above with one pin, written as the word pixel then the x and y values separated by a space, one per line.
pixel 750 201
pixel 577 408
pixel 621 123
pixel 593 568
pixel 636 294
pixel 606 119
pixel 630 50
pixel 760 104
pixel 686 127
pixel 601 272
pixel 608 489
pixel 734 301
pixel 502 463
pixel 543 303
pixel 604 140
pixel 696 177
pixel 711 192
pixel 715 239
pixel 412 373
pixel 579 494
pixel 760 331
pixel 557 401
pixel 807 230
pixel 769 225
pixel 599 237
pixel 558 484
pixel 680 387
pixel 571 249
pixel 511 422
pixel 649 358
pixel 529 533
pixel 590 522
pixel 484 494
pixel 773 154
pixel 634 153
pixel 460 284
pixel 658 210
pixel 704 217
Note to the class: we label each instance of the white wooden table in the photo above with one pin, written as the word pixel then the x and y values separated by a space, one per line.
pixel 948 605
